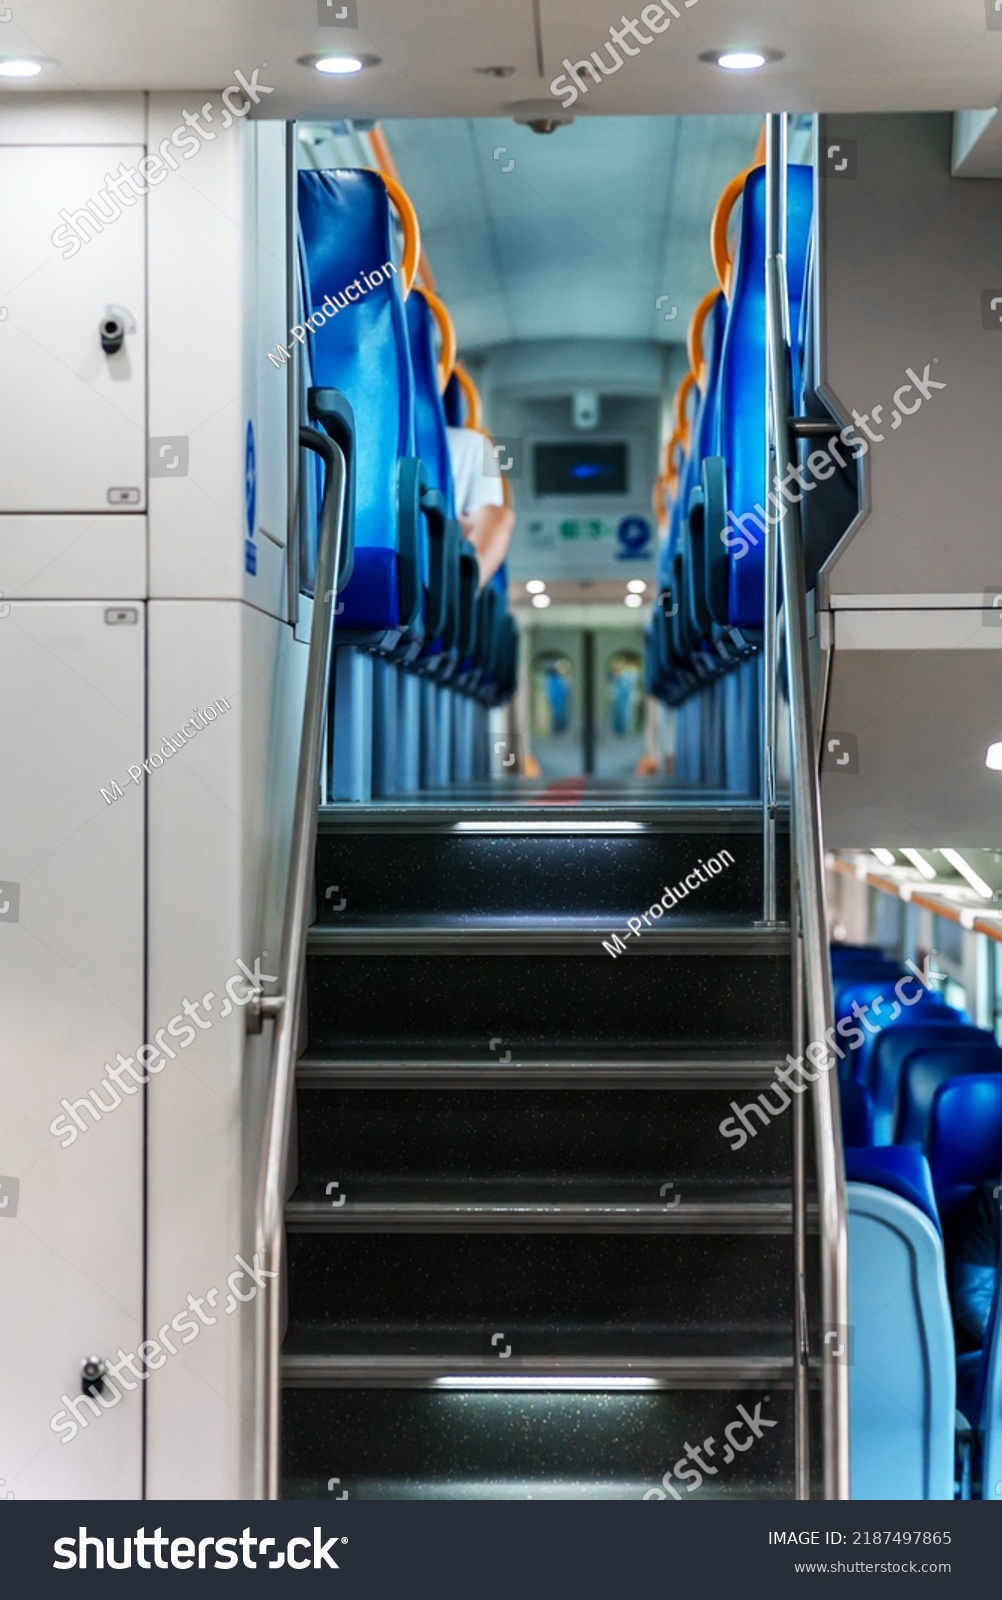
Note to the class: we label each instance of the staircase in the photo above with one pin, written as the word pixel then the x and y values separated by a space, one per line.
pixel 523 1263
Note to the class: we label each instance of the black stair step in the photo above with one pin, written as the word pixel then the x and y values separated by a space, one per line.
pixel 635 1288
pixel 622 811
pixel 537 994
pixel 409 1211
pixel 576 1069
pixel 615 872
pixel 604 1147
pixel 308 1364
pixel 397 1444
pixel 317 1354
pixel 722 933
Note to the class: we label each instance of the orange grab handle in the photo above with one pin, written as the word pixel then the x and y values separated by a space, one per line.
pixel 683 423
pixel 471 394
pixel 694 341
pixel 722 262
pixel 447 331
pixel 412 230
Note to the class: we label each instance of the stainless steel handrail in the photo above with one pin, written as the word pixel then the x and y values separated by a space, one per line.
pixel 805 808
pixel 285 1007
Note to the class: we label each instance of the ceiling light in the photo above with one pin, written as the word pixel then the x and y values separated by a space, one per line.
pixel 339 66
pixel 19 69
pixel 885 857
pixel 636 586
pixel 541 600
pixel 993 757
pixel 920 862
pixel 536 586
pixel 633 600
pixel 958 863
pixel 740 60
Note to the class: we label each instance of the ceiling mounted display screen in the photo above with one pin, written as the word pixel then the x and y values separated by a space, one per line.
pixel 580 469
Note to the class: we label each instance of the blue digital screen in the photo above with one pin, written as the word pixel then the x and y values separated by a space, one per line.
pixel 580 469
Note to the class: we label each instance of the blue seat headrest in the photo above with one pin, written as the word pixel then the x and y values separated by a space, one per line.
pixel 362 347
pixel 925 1071
pixel 965 1135
pixel 429 413
pixel 905 1172
pixel 705 431
pixel 742 384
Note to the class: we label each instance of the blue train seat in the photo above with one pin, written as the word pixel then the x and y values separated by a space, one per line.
pixel 741 440
pixel 857 1114
pixel 902 1381
pixel 877 996
pixel 891 1049
pixel 965 1138
pixel 842 953
pixel 965 1148
pixel 362 350
pixel 922 1074
pixel 452 552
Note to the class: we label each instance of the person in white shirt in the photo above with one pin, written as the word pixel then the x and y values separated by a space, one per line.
pixel 485 519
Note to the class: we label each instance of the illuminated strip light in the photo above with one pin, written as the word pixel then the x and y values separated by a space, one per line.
pixel 920 861
pixel 549 827
pixel 886 858
pixel 958 863
pixel 558 1381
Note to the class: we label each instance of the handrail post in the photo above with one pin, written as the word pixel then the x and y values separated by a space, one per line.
pixel 805 808
pixel 285 1008
pixel 775 224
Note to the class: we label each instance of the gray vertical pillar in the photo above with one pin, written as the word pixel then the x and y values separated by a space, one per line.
pixel 429 734
pixel 408 733
pixel 352 775
pixel 385 694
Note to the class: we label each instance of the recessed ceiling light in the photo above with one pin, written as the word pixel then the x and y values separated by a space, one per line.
pixel 19 69
pixel 541 600
pixel 741 60
pixel 919 861
pixel 993 757
pixel 535 586
pixel 637 586
pixel 338 66
pixel 633 600
pixel 976 882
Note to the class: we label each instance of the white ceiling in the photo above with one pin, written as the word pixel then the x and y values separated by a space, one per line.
pixel 839 55
pixel 530 253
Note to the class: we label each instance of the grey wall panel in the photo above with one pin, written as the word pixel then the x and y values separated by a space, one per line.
pixel 908 253
pixel 914 702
